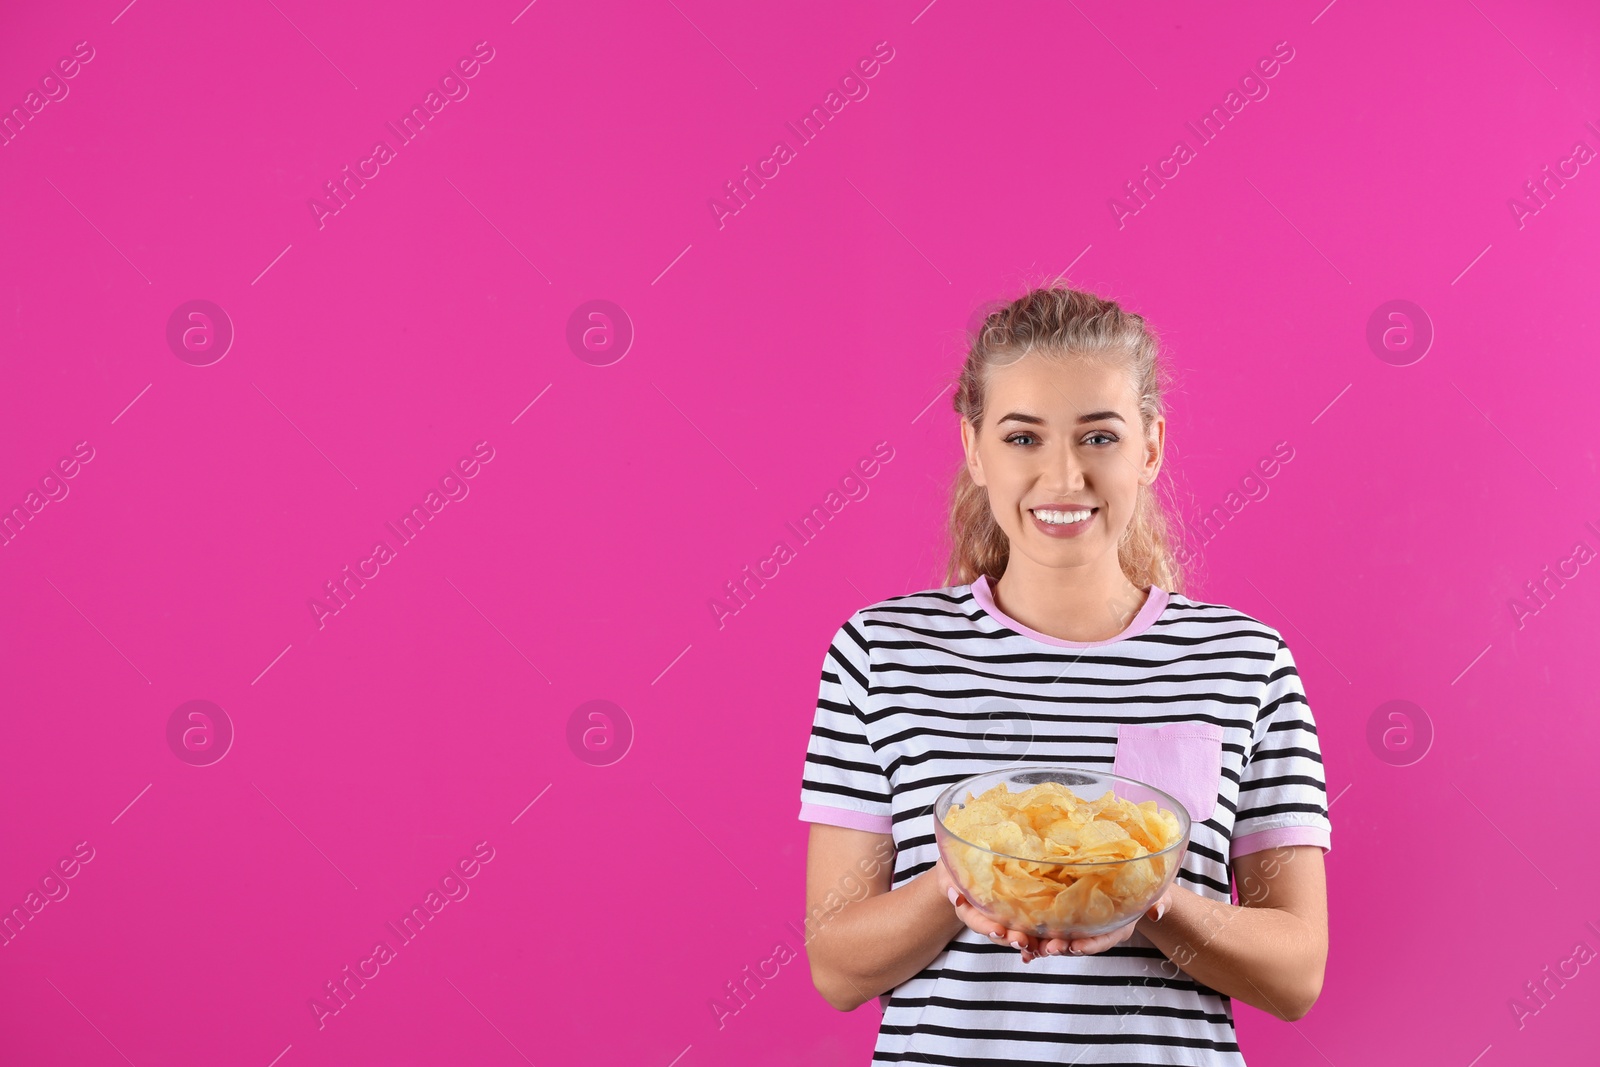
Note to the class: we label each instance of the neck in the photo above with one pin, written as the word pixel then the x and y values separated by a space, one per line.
pixel 1091 603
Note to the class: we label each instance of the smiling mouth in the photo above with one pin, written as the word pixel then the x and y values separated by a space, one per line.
pixel 1063 516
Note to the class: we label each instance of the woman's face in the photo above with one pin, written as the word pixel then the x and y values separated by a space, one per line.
pixel 1065 433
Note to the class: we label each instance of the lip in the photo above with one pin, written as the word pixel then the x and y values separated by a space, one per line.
pixel 1073 529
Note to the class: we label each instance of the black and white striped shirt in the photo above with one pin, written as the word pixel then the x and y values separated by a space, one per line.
pixel 922 690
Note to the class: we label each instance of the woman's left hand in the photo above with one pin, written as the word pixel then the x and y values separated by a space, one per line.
pixel 1089 946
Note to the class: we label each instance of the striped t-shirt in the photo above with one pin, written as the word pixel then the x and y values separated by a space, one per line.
pixel 1201 700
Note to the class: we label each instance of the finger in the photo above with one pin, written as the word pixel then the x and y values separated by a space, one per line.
pixel 1090 945
pixel 972 916
pixel 975 919
pixel 1002 935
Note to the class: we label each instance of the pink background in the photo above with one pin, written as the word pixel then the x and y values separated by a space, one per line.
pixel 771 353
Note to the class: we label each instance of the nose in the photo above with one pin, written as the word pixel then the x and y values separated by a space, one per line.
pixel 1064 474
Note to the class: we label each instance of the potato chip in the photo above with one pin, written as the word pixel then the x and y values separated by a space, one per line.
pixel 1041 829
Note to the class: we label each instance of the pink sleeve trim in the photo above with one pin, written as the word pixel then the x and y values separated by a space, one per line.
pixel 1262 840
pixel 846 817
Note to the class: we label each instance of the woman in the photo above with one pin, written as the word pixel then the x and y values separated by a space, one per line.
pixel 1065 639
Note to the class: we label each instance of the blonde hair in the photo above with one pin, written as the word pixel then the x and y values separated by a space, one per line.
pixel 1061 323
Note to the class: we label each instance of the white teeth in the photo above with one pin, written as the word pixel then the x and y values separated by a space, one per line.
pixel 1062 518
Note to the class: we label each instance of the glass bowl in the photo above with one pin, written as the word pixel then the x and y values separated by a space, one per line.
pixel 1065 900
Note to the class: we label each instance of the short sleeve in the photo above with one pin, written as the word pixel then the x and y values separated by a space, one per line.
pixel 843 783
pixel 1283 793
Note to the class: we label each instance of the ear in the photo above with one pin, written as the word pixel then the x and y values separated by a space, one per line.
pixel 969 444
pixel 1155 450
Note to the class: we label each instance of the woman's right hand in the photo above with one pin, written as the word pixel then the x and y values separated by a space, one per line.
pixel 1027 944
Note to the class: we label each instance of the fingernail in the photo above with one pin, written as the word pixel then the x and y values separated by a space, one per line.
pixel 1016 944
pixel 953 895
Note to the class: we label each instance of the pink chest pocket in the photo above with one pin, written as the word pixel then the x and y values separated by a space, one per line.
pixel 1182 758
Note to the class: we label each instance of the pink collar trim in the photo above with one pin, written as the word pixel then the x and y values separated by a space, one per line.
pixel 1154 605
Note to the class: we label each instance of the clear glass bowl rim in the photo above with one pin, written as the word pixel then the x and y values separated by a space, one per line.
pixel 1019 768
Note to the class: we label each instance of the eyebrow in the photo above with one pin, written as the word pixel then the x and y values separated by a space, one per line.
pixel 1034 420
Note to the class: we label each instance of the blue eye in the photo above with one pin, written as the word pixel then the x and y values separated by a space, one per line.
pixel 1110 439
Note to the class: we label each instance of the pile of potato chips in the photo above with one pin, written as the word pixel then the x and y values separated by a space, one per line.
pixel 1051 823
